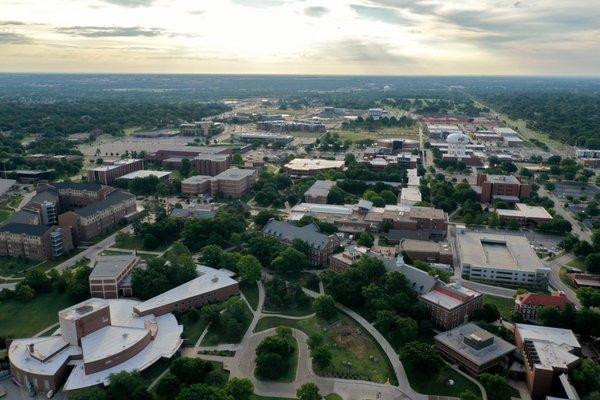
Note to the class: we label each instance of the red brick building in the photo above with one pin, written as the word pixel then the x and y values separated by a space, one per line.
pixel 505 188
pixel 528 304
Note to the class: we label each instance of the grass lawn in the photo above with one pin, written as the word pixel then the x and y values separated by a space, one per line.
pixel 347 342
pixel 10 266
pixel 218 334
pixel 333 396
pixel 5 213
pixel 192 327
pixel 293 312
pixel 250 291
pixel 304 279
pixel 438 385
pixel 578 263
pixel 25 319
pixel 290 374
pixel 505 306
pixel 154 371
pixel 132 242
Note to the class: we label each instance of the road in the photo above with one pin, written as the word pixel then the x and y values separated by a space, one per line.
pixel 578 228
pixel 555 281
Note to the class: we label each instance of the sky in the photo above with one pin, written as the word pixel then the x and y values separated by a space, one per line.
pixel 346 37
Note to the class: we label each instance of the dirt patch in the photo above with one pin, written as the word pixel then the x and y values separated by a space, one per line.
pixel 348 336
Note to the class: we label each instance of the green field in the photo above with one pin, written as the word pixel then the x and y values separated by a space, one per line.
pixel 578 263
pixel 438 385
pixel 347 343
pixel 291 311
pixel 192 327
pixel 10 266
pixel 217 334
pixel 505 306
pixel 250 291
pixel 24 319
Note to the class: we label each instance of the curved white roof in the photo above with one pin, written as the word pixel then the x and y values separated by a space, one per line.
pixel 457 138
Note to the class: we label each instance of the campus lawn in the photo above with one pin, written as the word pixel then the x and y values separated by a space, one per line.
pixel 250 290
pixel 505 306
pixel 5 213
pixel 333 396
pixel 438 385
pixel 25 319
pixel 347 342
pixel 304 279
pixel 291 311
pixel 217 334
pixel 578 263
pixel 10 266
pixel 193 326
pixel 132 242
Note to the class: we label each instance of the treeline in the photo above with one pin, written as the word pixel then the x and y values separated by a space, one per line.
pixel 110 115
pixel 372 124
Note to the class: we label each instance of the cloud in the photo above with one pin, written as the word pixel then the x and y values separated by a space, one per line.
pixel 415 6
pixel 13 38
pixel 131 3
pixel 259 3
pixel 381 14
pixel 13 23
pixel 316 11
pixel 113 31
pixel 362 51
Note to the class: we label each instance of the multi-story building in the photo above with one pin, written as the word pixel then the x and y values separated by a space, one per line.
pixel 233 182
pixel 211 164
pixel 163 176
pixel 164 152
pixel 98 217
pixel 548 354
pixel 318 192
pixel 34 242
pixel 249 137
pixel 321 245
pixel 504 259
pixel 107 174
pixel 505 188
pixel 111 276
pixel 528 304
pixel 299 167
pixel 428 251
pixel 347 258
pixel 473 348
pixel 422 223
pixel 291 126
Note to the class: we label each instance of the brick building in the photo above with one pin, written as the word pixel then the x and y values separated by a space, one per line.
pixel 111 276
pixel 321 245
pixel 311 166
pixel 422 223
pixel 505 188
pixel 528 304
pixel 428 251
pixel 107 174
pixel 34 242
pixel 347 258
pixel 234 182
pixel 318 192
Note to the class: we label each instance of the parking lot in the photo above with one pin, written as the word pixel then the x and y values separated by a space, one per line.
pixel 540 241
pixel 575 189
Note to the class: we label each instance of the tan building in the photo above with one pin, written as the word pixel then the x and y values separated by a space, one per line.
pixel 190 152
pixel 428 251
pixel 422 223
pixel 525 214
pixel 107 174
pixel 34 242
pixel 318 192
pixel 111 276
pixel 233 182
pixel 311 166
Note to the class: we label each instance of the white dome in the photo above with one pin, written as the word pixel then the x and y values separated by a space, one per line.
pixel 457 138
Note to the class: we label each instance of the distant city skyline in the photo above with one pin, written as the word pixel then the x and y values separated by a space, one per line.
pixel 362 37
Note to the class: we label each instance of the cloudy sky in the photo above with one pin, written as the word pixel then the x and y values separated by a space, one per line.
pixel 391 37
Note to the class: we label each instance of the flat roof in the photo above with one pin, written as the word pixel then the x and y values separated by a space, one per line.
pixel 144 173
pixel 444 300
pixel 503 179
pixel 320 188
pixel 307 164
pixel 526 211
pixel 5 185
pixel 235 174
pixel 410 193
pixel 425 245
pixel 197 179
pixel 210 279
pixel 454 339
pixel 109 341
pixel 111 266
pixel 558 336
pixel 497 251
pixel 115 164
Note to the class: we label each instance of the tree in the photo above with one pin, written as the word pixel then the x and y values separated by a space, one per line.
pixel 190 370
pixel 325 307
pixel 586 377
pixel 550 316
pixel 422 357
pixel 496 386
pixel 365 239
pixel 290 260
pixel 24 292
pixel 272 356
pixel 592 263
pixel 308 391
pixel 488 313
pixel 589 296
pixel 211 255
pixel 203 392
pixel 249 268
pixel 583 249
pixel 38 281
pixel 596 239
pixel 388 197
pixel 264 216
pixel 240 388
pixel 127 386
pixel 321 356
pixel 168 386
pixel 315 340
pixel 335 196
pixel 468 395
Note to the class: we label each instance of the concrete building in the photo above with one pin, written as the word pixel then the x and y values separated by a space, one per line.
pixel 107 174
pixel 200 128
pixel 34 242
pixel 250 137
pixel 525 214
pixel 347 258
pixel 505 188
pixel 473 348
pixel 528 304
pixel 146 173
pixel 164 152
pixel 210 286
pixel 96 338
pixel 111 276
pixel 421 223
pixel 441 131
pixel 428 251
pixel 321 245
pixel 548 353
pixel 509 135
pixel 457 144
pixel 499 259
pixel 299 167
pixel 291 126
pixel 396 145
pixel 318 192
pixel 412 176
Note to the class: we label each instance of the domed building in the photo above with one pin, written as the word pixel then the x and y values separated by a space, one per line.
pixel 457 150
